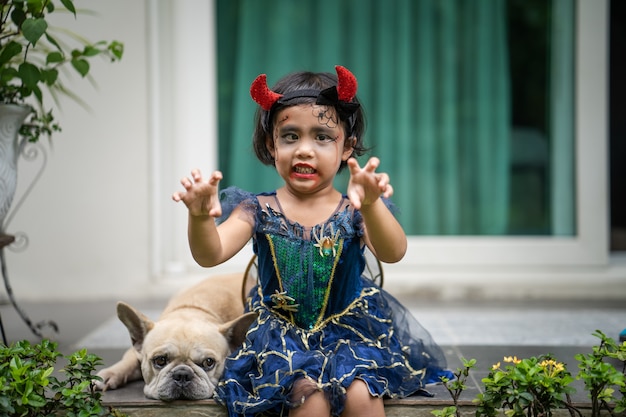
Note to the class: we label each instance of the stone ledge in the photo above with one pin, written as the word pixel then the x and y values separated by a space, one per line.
pixel 132 402
pixel 209 408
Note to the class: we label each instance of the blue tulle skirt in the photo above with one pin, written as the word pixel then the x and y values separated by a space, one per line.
pixel 375 340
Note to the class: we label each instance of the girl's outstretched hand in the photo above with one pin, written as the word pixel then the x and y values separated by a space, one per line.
pixel 200 196
pixel 366 185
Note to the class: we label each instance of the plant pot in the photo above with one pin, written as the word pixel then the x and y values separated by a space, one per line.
pixel 12 117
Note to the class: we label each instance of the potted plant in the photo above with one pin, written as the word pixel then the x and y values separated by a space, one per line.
pixel 34 60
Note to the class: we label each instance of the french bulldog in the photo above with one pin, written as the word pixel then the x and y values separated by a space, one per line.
pixel 181 355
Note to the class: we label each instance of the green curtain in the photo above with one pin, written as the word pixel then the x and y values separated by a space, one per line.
pixel 433 79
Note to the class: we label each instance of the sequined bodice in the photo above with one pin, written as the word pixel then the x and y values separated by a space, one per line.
pixel 308 275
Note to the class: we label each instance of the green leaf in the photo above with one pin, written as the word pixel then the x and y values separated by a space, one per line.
pixel 5 405
pixel 29 74
pixel 28 389
pixel 54 57
pixel 9 51
pixel 8 74
pixel 53 42
pixel 81 65
pixel 69 5
pixel 527 396
pixel 50 76
pixel 91 50
pixel 36 401
pixel 48 372
pixel 16 364
pixel 498 376
pixel 37 92
pixel 18 16
pixel 469 363
pixel 34 6
pixel 117 49
pixel 33 29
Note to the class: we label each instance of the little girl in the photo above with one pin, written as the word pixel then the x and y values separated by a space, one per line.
pixel 327 341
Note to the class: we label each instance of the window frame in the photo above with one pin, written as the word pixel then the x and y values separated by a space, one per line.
pixel 589 245
pixel 196 146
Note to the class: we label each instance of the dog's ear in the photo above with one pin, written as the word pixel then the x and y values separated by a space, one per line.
pixel 235 330
pixel 137 323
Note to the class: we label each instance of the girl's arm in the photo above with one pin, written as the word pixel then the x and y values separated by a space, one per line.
pixel 210 244
pixel 383 234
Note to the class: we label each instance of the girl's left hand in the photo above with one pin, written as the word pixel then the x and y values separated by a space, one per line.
pixel 366 185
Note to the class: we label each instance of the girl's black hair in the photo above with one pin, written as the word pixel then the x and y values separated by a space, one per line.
pixel 304 80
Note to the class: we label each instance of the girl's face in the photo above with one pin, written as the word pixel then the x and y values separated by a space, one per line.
pixel 308 146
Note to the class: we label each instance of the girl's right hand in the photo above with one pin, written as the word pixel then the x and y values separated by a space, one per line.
pixel 200 196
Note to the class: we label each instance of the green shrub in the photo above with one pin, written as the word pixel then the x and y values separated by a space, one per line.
pixel 29 385
pixel 536 386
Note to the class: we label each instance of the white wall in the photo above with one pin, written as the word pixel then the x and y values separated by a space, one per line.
pixel 101 223
pixel 88 218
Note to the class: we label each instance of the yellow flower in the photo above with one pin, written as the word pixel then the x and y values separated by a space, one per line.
pixel 512 359
pixel 495 367
pixel 552 367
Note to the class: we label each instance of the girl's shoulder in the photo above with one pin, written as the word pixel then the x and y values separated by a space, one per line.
pixel 358 218
pixel 233 197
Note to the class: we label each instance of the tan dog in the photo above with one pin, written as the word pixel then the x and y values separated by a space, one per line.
pixel 181 355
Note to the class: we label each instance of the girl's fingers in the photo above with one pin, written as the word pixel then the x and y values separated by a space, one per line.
pixel 196 175
pixel 353 166
pixel 355 199
pixel 196 178
pixel 388 191
pixel 372 164
pixel 184 181
pixel 216 177
pixel 383 181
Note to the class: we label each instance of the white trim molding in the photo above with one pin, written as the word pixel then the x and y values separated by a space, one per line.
pixel 183 119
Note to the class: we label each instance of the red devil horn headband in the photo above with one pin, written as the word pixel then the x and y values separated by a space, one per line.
pixel 266 98
pixel 346 84
pixel 261 93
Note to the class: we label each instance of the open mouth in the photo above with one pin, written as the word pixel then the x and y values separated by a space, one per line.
pixel 304 170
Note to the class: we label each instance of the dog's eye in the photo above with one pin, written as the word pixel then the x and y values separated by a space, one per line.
pixel 159 361
pixel 208 364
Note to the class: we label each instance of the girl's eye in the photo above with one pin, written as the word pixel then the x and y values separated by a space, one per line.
pixel 325 138
pixel 290 137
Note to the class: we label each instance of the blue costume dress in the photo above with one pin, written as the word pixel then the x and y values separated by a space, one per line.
pixel 319 318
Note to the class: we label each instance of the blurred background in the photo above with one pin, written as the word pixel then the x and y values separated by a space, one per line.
pixel 496 120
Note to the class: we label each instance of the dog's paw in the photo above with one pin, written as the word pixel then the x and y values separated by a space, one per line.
pixel 110 380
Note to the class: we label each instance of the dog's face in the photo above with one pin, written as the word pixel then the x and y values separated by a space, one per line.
pixel 182 357
pixel 179 361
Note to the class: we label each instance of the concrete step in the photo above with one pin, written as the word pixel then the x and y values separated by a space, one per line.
pixel 131 401
pixel 393 408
